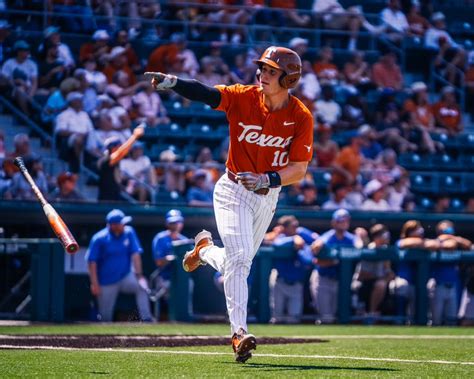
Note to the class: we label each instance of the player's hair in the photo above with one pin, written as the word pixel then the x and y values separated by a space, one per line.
pixel 285 60
pixel 286 220
pixel 409 227
pixel 377 230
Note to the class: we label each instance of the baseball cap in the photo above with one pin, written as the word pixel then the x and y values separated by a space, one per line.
pixel 418 86
pixel 117 51
pixel 100 34
pixel 199 173
pixel 438 16
pixel 372 187
pixel 138 145
pixel 448 89
pixel 341 214
pixel 50 30
pixel 116 216
pixel 21 45
pixel 364 129
pixel 297 41
pixel 174 215
pixel 112 142
pixel 65 176
pixel 74 95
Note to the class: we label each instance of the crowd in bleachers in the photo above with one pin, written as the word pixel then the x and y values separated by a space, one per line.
pixel 376 130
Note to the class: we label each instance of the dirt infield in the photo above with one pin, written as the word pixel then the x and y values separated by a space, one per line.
pixel 110 341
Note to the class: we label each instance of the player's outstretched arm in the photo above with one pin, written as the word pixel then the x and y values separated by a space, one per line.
pixel 189 88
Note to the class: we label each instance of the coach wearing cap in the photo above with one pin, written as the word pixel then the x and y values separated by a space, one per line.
pixel 111 254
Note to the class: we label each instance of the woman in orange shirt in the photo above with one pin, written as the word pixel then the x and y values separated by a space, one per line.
pixel 419 106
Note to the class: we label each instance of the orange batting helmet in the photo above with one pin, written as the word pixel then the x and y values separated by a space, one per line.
pixel 283 59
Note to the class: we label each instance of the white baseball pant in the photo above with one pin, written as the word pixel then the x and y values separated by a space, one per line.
pixel 242 219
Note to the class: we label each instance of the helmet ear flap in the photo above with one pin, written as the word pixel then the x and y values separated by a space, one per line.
pixel 283 81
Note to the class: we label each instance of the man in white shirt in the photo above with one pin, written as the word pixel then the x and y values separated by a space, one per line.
pixel 395 20
pixel 327 110
pixel 450 55
pixel 73 125
pixel 338 198
pixel 21 73
pixel 375 192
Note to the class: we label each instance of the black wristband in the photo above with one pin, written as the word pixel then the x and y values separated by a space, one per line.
pixel 275 179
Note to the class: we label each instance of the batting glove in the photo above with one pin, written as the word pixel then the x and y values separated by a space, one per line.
pixel 161 81
pixel 252 181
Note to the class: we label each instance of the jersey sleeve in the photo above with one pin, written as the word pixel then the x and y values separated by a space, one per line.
pixel 159 248
pixel 228 94
pixel 135 246
pixel 301 149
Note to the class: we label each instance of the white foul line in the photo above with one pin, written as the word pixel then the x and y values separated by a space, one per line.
pixel 201 353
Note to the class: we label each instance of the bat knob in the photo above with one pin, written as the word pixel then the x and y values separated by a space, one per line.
pixel 72 248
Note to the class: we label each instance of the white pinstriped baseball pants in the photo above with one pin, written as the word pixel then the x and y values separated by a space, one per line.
pixel 242 219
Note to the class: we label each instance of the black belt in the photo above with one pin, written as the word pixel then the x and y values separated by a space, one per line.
pixel 261 191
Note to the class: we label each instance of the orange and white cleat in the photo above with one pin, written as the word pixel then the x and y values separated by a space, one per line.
pixel 242 344
pixel 191 260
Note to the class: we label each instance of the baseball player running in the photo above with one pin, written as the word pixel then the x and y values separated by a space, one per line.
pixel 271 143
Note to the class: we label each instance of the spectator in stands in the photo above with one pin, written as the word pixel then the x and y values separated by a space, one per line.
pixel 325 149
pixel 76 15
pixel 122 90
pixel 52 36
pixel 417 134
pixel 419 106
pixel 386 73
pixel 356 72
pixel 121 121
pixel 446 275
pixel 355 111
pixel 21 73
pixel 328 111
pixel 110 179
pixel 449 55
pixel 309 85
pixel 347 165
pixel 94 77
pixel 73 125
pixel 291 17
pixel 22 148
pixel 396 24
pixel 442 203
pixel 122 40
pixel 56 102
pixel 162 249
pixel 209 75
pixel 66 189
pixel 117 61
pixel 334 16
pixel 374 276
pixel 138 173
pixel 418 24
pixel 300 46
pixel 173 173
pixel 240 72
pixel 286 287
pixel 165 56
pixel 308 196
pixel 448 113
pixel 324 68
pixel 112 253
pixel 372 148
pixel 97 50
pixel 52 70
pixel 338 194
pixel 149 108
pixel 375 192
pixel 387 168
pixel 390 132
pixel 89 99
pixel 5 45
pixel 200 193
pixel 206 161
pixel 412 236
pixel 19 188
pixel 325 279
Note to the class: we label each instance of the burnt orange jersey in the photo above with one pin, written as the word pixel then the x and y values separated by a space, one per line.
pixel 261 140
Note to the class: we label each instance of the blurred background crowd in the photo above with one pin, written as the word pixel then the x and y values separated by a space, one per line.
pixel 390 84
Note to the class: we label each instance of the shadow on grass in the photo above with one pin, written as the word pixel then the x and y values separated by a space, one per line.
pixel 284 367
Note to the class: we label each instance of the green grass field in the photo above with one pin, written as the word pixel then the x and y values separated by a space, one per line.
pixel 351 351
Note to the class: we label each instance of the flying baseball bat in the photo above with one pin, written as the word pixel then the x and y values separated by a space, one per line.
pixel 56 222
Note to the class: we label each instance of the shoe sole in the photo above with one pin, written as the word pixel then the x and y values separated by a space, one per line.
pixel 199 237
pixel 249 342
